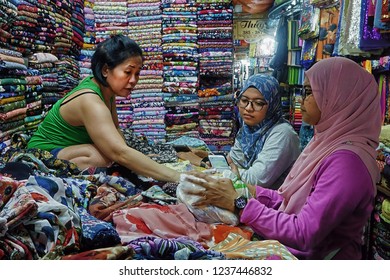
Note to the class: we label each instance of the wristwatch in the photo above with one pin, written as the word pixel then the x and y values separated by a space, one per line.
pixel 240 203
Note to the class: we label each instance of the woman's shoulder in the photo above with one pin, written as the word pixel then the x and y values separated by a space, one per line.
pixel 347 162
pixel 346 168
pixel 88 84
pixel 282 130
pixel 283 126
pixel 345 155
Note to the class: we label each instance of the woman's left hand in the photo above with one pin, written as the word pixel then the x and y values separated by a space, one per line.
pixel 218 191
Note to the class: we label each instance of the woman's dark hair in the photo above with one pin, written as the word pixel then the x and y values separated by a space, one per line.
pixel 113 52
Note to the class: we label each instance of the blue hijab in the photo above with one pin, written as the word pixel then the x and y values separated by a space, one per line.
pixel 252 138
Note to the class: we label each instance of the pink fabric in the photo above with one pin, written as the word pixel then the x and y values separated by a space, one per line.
pixel 169 221
pixel 347 96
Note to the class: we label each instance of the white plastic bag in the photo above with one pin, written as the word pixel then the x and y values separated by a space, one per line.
pixel 208 214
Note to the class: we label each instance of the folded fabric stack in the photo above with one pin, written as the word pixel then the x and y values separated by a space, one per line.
pixel 45 28
pixel 64 47
pixel 24 26
pixel 182 116
pixel 68 73
pixel 64 31
pixel 382 67
pixel 217 125
pixel 78 26
pixel 44 63
pixel 144 19
pixel 8 15
pixel 54 38
pixel 89 40
pixel 110 18
pixel 37 62
pixel 29 26
pixel 180 53
pixel 297 119
pixel 13 87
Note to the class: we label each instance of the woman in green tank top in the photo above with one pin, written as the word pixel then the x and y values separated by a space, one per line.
pixel 83 126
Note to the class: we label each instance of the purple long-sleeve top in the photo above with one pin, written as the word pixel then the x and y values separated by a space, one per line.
pixel 333 217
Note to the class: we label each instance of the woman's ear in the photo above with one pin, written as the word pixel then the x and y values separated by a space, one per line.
pixel 105 71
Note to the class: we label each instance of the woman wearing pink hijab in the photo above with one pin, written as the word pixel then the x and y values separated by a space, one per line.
pixel 320 210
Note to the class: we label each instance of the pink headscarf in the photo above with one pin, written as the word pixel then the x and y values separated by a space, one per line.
pixel 347 96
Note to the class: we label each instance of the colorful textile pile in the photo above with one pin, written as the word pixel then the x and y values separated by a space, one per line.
pixel 39 40
pixel 64 31
pixel 180 56
pixel 24 27
pixel 8 12
pixel 110 17
pixel 13 91
pixel 89 40
pixel 144 19
pixel 382 67
pixel 217 125
pixel 45 65
pixel 78 26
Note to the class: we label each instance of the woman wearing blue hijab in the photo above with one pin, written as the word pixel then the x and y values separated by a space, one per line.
pixel 266 144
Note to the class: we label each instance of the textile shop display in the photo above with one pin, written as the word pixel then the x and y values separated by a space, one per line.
pixel 354 29
pixel 45 63
pixel 20 96
pixel 164 105
pixel 38 63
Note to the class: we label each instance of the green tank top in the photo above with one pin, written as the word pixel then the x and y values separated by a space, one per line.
pixel 55 132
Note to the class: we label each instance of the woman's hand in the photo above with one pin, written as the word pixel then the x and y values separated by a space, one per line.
pixel 218 191
pixel 233 167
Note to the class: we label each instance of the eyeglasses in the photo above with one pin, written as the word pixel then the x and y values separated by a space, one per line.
pixel 306 91
pixel 256 105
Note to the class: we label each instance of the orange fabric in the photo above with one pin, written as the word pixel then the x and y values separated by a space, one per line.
pixel 220 232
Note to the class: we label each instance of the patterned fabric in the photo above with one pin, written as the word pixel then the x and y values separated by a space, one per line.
pixel 108 199
pixel 162 153
pixel 108 253
pixel 7 188
pixel 169 221
pixel 157 195
pixel 57 223
pixel 42 161
pixel 237 247
pixel 181 248
pixel 96 233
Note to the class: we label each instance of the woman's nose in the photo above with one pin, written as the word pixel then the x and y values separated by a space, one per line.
pixel 249 106
pixel 133 80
